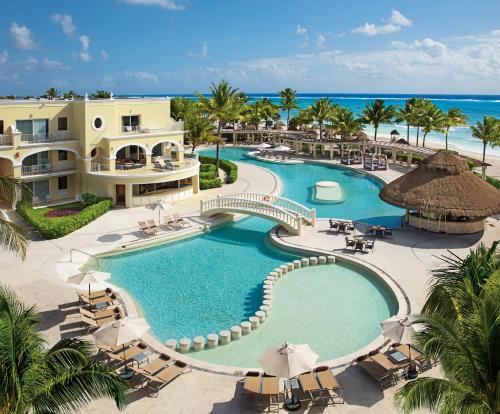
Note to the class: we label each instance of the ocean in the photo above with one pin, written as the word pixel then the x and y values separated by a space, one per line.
pixel 460 138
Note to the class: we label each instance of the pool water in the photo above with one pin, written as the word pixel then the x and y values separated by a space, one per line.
pixel 361 201
pixel 213 281
pixel 334 308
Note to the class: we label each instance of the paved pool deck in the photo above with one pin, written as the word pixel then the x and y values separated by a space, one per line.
pixel 407 258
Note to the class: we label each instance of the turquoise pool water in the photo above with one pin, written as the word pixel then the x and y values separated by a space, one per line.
pixel 361 200
pixel 211 282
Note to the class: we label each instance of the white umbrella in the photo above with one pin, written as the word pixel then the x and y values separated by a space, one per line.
pixel 120 332
pixel 264 145
pixel 160 205
pixel 281 148
pixel 288 361
pixel 92 277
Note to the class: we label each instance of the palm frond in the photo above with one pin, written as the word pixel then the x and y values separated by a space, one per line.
pixel 13 237
pixel 12 188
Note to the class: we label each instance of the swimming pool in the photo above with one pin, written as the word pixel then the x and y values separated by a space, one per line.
pixel 213 281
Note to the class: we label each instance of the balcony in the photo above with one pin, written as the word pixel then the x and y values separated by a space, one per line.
pixel 47 169
pixel 41 138
pixel 189 166
pixel 141 130
pixel 5 140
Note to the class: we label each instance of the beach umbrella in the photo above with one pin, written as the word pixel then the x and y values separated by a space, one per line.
pixel 121 332
pixel 288 361
pixel 264 145
pixel 92 277
pixel 400 329
pixel 280 148
pixel 160 205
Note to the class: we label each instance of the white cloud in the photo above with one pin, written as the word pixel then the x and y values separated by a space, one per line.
pixel 3 57
pixel 203 53
pixel 22 36
pixel 66 22
pixel 54 64
pixel 104 55
pixel 431 47
pixel 84 56
pixel 495 33
pixel 301 31
pixel 164 4
pixel 393 24
pixel 85 42
pixel 320 41
pixel 142 76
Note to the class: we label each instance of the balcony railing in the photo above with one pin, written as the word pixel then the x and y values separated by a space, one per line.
pixel 49 168
pixel 142 129
pixel 135 170
pixel 5 140
pixel 55 136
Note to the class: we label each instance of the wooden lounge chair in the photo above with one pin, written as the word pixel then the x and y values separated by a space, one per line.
pixel 329 383
pixel 127 353
pixel 251 387
pixel 96 323
pixel 416 356
pixel 98 314
pixel 158 364
pixel 152 225
pixel 181 220
pixel 170 222
pixel 383 377
pixel 148 231
pixel 105 299
pixel 310 385
pixel 271 388
pixel 92 295
pixel 163 377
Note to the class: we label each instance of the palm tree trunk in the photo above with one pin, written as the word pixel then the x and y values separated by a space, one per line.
pixel 287 118
pixel 375 136
pixel 423 141
pixel 320 130
pixel 418 131
pixel 217 153
pixel 408 132
pixel 446 138
pixel 485 143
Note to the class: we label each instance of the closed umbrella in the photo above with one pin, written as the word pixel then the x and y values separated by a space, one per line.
pixel 400 329
pixel 288 361
pixel 160 205
pixel 92 277
pixel 120 332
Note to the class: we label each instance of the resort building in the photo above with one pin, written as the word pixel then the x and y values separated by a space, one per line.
pixel 127 149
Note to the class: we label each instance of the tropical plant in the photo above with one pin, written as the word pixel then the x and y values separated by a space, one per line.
pixel 345 124
pixel 433 119
pixel 219 109
pixel 488 132
pixel 320 111
pixel 405 114
pixel 270 112
pixel 303 118
pixel 34 379
pixel 12 236
pixel 288 102
pixel 454 117
pixel 71 94
pixel 377 113
pixel 419 109
pixel 180 107
pixel 461 321
pixel 51 93
pixel 100 94
pixel 199 129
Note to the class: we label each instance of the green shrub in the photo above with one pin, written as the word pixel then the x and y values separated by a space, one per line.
pixel 207 175
pixel 210 183
pixel 493 181
pixel 89 199
pixel 230 168
pixel 208 168
pixel 55 227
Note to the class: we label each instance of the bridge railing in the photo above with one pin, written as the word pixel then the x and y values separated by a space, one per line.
pixel 288 218
pixel 308 214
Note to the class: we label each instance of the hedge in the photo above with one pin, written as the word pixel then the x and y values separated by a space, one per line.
pixel 208 175
pixel 210 183
pixel 55 227
pixel 230 168
pixel 208 168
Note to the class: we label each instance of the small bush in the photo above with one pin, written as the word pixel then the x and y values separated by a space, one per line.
pixel 55 227
pixel 208 168
pixel 211 183
pixel 230 168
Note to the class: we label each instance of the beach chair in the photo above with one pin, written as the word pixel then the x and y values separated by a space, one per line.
pixel 181 220
pixel 163 377
pixel 370 245
pixel 146 229
pixel 416 356
pixel 334 225
pixel 100 297
pixel 152 225
pixel 170 222
pixel 126 354
pixel 310 386
pixel 384 378
pixel 158 165
pixel 251 388
pixel 97 314
pixel 350 243
pixel 270 387
pixel 329 383
pixel 92 323
pixel 92 295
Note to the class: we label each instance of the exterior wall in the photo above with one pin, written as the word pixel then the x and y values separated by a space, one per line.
pixel 451 227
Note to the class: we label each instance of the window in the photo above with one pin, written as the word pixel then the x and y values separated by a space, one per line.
pixel 93 153
pixel 1 128
pixel 62 155
pixel 98 123
pixel 62 183
pixel 37 128
pixel 62 123
pixel 130 123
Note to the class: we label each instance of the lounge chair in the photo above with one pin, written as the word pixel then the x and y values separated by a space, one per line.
pixel 96 298
pixel 370 245
pixel 170 222
pixel 310 385
pixel 334 225
pixel 271 388
pixel 152 225
pixel 158 165
pixel 416 356
pixel 384 377
pixel 350 243
pixel 98 314
pixel 163 377
pixel 126 354
pixel 329 383
pixel 158 364
pixel 146 229
pixel 251 387
pixel 181 220
pixel 95 323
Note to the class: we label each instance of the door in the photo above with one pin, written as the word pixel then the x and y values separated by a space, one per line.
pixel 120 194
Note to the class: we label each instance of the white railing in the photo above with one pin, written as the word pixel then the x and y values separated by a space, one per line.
pixel 175 167
pixel 46 137
pixel 5 140
pixel 309 214
pixel 141 129
pixel 287 212
pixel 96 167
pixel 48 168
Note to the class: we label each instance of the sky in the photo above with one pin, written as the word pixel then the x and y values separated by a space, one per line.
pixel 181 46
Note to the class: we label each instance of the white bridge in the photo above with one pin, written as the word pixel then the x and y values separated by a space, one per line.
pixel 290 214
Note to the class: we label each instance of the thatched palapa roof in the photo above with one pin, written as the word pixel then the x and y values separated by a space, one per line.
pixel 443 184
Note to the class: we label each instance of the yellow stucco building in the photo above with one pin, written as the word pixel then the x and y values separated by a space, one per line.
pixel 127 149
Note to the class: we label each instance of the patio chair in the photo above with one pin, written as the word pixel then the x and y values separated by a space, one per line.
pixel 127 354
pixel 350 243
pixel 334 225
pixel 383 377
pixel 251 388
pixel 181 220
pixel 146 229
pixel 416 356
pixel 370 245
pixel 158 165
pixel 98 300
pixel 158 364
pixel 166 375
pixel 152 225
pixel 329 383
pixel 92 323
pixel 271 388
pixel 310 386
pixel 171 222
pixel 98 314
pixel 92 295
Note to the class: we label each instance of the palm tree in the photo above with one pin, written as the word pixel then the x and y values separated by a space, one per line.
pixel 218 108
pixel 406 114
pixel 320 111
pixel 433 119
pixel 34 379
pixel 199 129
pixel 345 124
pixel 100 94
pixel 487 131
pixel 270 111
pixel 462 331
pixel 71 94
pixel 12 236
pixel 419 108
pixel 454 117
pixel 288 102
pixel 51 93
pixel 377 113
